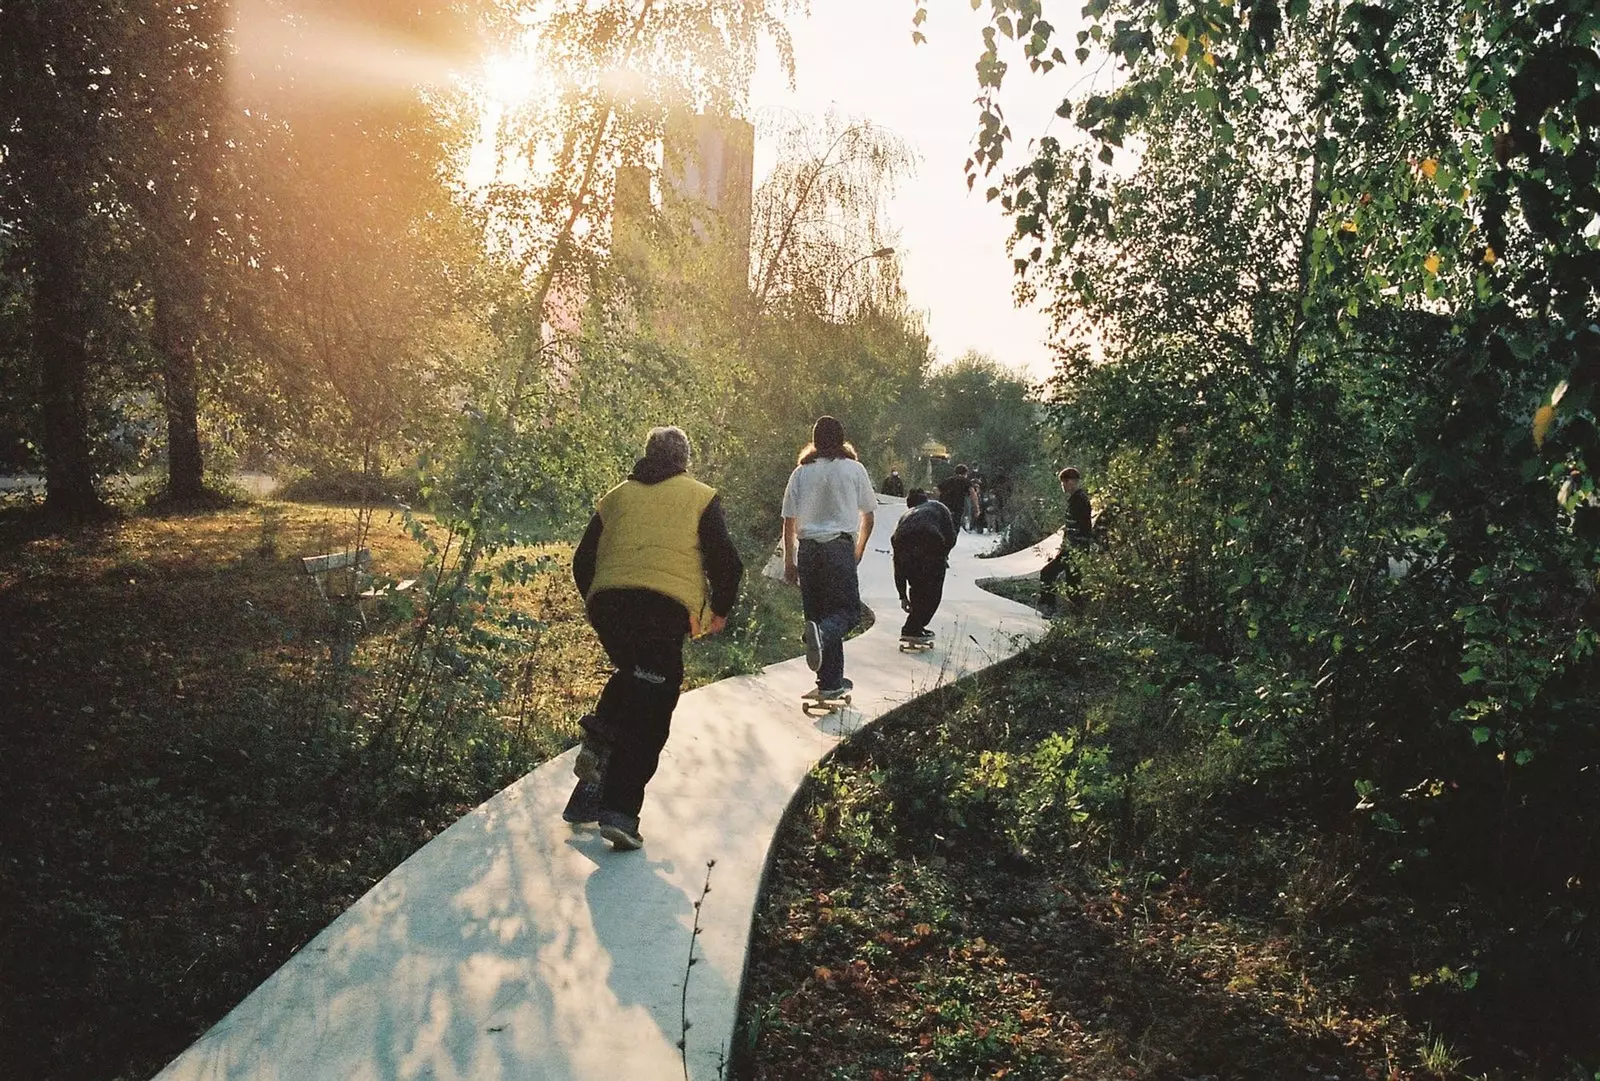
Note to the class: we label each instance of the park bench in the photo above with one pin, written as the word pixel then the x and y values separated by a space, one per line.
pixel 347 576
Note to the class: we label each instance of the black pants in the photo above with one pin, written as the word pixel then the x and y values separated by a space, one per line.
pixel 642 632
pixel 924 591
pixel 1064 568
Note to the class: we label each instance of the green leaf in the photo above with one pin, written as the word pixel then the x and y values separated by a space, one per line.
pixel 1480 735
pixel 1472 675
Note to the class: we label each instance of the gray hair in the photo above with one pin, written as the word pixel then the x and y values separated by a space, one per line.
pixel 668 446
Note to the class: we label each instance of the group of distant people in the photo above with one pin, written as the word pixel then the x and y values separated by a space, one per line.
pixel 974 502
pixel 657 565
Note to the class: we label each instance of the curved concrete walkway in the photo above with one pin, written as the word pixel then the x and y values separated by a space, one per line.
pixel 513 947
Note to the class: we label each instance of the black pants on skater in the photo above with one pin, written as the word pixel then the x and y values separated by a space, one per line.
pixel 919 562
pixel 1063 568
pixel 642 632
pixel 924 591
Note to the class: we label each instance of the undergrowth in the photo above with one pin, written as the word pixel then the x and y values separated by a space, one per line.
pixel 206 762
pixel 1065 868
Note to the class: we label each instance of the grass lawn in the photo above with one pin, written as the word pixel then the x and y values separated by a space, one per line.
pixel 193 787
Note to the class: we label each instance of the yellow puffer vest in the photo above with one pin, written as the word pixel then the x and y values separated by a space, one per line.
pixel 651 540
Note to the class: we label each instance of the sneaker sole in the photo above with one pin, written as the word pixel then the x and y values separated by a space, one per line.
pixel 621 839
pixel 809 637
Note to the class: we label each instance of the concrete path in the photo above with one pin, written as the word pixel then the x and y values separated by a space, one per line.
pixel 513 947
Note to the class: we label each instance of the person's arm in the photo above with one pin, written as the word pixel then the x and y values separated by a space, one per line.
pixel 721 560
pixel 947 530
pixel 1082 519
pixel 583 559
pixel 867 504
pixel 899 575
pixel 791 540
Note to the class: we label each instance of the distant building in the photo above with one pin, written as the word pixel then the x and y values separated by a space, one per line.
pixel 705 181
pixel 708 162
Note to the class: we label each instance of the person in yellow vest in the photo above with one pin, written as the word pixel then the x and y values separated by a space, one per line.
pixel 655 565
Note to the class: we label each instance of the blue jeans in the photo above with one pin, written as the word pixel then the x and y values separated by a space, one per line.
pixel 831 596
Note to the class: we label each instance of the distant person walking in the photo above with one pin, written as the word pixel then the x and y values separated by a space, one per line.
pixel 893 485
pixel 1077 534
pixel 955 492
pixel 656 564
pixel 922 542
pixel 828 510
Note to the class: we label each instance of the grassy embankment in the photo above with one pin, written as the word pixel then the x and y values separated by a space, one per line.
pixel 206 763
pixel 1032 875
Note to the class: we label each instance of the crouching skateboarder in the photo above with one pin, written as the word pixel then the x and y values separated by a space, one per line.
pixel 922 542
pixel 655 565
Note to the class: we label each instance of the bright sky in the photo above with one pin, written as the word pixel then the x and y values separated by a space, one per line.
pixel 858 59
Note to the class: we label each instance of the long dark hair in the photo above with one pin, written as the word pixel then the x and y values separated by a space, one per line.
pixel 827 441
pixel 809 453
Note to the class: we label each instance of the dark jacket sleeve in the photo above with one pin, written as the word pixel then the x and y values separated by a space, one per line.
pixel 947 529
pixel 899 574
pixel 720 558
pixel 583 558
pixel 1079 524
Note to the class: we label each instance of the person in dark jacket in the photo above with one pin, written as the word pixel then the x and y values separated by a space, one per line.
pixel 1075 541
pixel 892 484
pixel 922 542
pixel 655 565
pixel 955 492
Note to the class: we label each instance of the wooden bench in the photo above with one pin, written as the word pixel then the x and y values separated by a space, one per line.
pixel 347 576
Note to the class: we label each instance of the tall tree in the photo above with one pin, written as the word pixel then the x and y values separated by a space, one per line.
pixel 171 72
pixel 54 104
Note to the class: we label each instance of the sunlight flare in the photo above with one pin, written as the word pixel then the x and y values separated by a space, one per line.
pixel 282 49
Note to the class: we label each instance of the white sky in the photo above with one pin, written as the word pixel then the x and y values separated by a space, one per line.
pixel 858 59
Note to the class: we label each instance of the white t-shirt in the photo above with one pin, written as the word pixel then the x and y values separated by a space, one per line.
pixel 828 496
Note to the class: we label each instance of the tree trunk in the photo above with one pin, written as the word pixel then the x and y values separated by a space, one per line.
pixel 62 359
pixel 175 335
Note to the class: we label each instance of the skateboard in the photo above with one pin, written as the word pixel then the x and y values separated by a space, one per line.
pixel 812 703
pixel 915 645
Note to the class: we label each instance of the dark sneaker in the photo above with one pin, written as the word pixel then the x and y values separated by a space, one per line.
pixel 812 637
pixel 622 830
pixel 584 804
pixel 844 688
pixel 916 636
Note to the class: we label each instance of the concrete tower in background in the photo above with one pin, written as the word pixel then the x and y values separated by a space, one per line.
pixel 708 165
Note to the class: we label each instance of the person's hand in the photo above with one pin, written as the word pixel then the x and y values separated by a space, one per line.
pixel 716 624
pixel 905 605
pixel 791 573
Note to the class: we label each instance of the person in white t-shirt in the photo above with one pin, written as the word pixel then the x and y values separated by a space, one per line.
pixel 828 509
